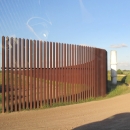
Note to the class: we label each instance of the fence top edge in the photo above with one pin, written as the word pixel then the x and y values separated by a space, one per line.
pixel 51 42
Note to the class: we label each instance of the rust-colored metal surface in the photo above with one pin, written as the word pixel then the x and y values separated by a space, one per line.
pixel 7 74
pixel 59 79
pixel 34 76
pixel 47 73
pixel 12 86
pixel 67 74
pixel 15 81
pixel 65 70
pixel 56 73
pixel 51 74
pixel 37 84
pixel 27 74
pixel 70 75
pixel 54 97
pixel 19 76
pixel 44 73
pixel 41 89
pixel 23 94
pixel 3 74
pixel 31 80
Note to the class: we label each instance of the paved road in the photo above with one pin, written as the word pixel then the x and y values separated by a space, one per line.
pixel 109 114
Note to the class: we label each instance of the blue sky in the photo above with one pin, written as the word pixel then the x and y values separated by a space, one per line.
pixel 97 23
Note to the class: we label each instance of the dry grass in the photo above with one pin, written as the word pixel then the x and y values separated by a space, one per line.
pixel 120 88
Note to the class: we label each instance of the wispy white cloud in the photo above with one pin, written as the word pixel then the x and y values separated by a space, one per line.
pixel 85 14
pixel 123 64
pixel 43 24
pixel 31 29
pixel 118 45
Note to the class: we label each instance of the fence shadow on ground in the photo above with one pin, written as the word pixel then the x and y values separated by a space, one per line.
pixel 110 86
pixel 115 122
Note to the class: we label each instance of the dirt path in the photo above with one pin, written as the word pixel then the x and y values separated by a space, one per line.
pixel 111 114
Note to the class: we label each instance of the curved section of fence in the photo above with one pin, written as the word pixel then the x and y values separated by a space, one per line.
pixel 40 73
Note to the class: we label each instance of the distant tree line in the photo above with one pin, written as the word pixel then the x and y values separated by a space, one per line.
pixel 119 71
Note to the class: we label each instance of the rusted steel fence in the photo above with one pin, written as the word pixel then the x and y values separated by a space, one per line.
pixel 37 73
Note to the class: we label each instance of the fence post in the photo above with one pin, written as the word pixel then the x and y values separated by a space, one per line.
pixel 47 73
pixel 27 73
pixel 31 81
pixel 15 45
pixel 106 70
pixel 65 69
pixel 23 74
pixel 19 74
pixel 54 97
pixel 3 74
pixel 41 85
pixel 34 74
pixel 50 73
pixel 12 74
pixel 56 72
pixel 7 74
pixel 37 74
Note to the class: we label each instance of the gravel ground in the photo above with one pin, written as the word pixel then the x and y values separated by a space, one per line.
pixel 108 114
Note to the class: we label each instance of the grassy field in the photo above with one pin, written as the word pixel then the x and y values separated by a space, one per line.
pixel 118 89
pixel 126 72
pixel 112 90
